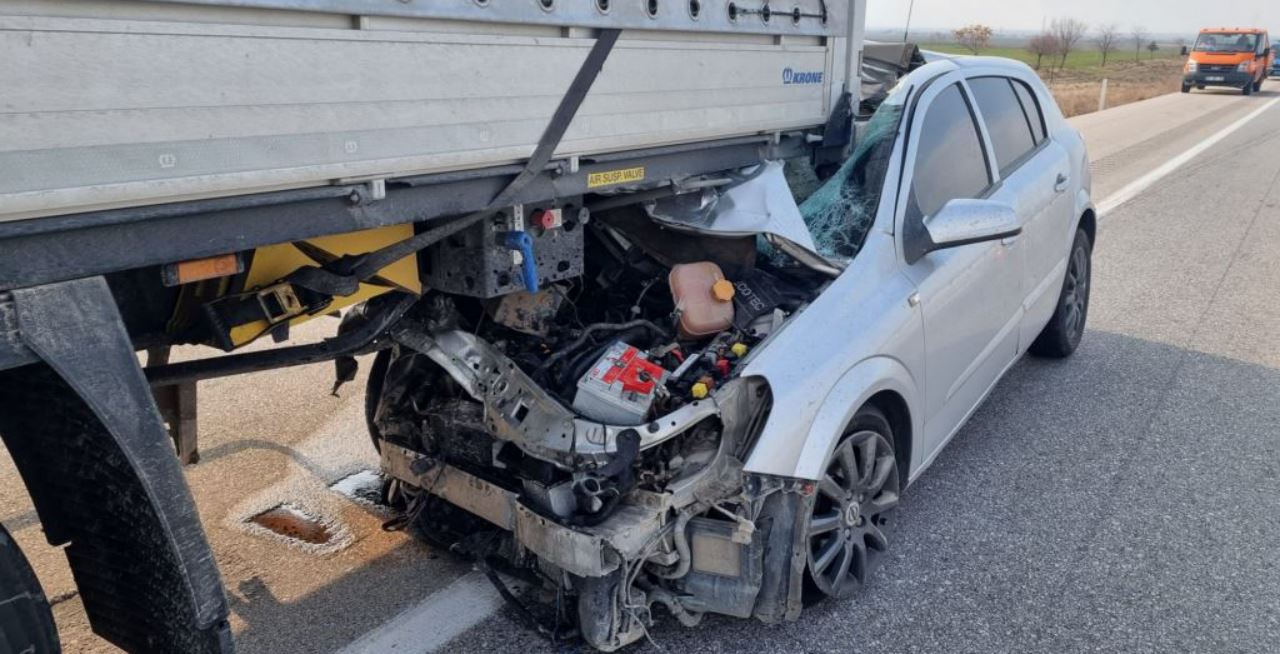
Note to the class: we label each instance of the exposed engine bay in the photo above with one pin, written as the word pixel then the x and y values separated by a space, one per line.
pixel 567 402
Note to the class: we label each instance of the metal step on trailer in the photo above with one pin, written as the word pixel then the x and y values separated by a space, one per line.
pixel 127 103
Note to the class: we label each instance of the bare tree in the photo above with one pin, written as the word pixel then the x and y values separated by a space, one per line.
pixel 1068 31
pixel 974 37
pixel 1108 39
pixel 1139 36
pixel 1042 45
pixel 1151 48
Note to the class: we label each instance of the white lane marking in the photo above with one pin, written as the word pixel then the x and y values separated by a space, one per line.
pixel 1136 187
pixel 435 621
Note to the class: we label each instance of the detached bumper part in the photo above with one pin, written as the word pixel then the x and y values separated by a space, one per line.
pixel 593 552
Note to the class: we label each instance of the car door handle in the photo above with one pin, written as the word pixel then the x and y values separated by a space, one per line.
pixel 1061 184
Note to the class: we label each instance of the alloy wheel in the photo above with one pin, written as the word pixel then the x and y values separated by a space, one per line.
pixel 1076 297
pixel 855 503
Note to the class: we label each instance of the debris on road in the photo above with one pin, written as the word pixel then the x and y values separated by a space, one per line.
pixel 293 523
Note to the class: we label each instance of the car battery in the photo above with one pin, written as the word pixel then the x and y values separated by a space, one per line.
pixel 620 387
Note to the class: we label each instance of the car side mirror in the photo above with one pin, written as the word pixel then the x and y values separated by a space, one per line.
pixel 965 222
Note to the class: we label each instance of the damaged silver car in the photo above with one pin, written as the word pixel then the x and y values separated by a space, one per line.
pixel 711 400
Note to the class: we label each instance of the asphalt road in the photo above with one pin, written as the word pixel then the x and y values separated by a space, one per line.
pixel 1121 500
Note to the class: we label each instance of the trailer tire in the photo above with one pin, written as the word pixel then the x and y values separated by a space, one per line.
pixel 26 621
pixel 89 498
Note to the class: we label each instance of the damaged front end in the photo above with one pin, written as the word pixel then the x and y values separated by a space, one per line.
pixel 588 429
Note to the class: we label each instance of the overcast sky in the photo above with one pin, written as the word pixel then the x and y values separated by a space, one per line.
pixel 1172 16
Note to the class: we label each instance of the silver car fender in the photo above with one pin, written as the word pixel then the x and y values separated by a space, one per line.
pixel 860 337
pixel 1084 203
pixel 862 382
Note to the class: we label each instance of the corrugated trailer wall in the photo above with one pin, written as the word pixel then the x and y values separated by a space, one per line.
pixel 116 104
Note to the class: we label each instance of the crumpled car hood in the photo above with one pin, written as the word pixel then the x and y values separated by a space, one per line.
pixel 761 205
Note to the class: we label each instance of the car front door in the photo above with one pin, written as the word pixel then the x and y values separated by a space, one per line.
pixel 970 296
pixel 1034 177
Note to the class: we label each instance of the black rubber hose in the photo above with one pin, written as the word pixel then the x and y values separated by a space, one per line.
pixel 589 332
pixel 619 468
pixel 595 519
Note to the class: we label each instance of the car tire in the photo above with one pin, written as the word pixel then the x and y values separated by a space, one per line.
pixel 1062 335
pixel 26 621
pixel 1248 88
pixel 1186 88
pixel 854 506
pixel 373 392
pixel 1257 86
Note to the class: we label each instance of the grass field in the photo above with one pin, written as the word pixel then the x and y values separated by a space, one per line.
pixel 1086 56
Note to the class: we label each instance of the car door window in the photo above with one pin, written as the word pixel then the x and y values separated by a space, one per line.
pixel 1007 124
pixel 950 160
pixel 1032 108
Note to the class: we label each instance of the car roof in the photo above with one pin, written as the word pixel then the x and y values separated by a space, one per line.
pixel 992 62
pixel 1234 30
pixel 950 64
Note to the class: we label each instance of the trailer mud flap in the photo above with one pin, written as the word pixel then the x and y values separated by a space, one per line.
pixel 88 441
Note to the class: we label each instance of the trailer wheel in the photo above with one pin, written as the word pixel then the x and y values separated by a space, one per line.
pixel 26 622
pixel 135 591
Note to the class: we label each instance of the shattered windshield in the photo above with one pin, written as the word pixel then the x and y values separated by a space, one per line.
pixel 839 214
pixel 1226 42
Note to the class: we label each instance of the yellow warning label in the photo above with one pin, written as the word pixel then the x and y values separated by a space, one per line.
pixel 612 177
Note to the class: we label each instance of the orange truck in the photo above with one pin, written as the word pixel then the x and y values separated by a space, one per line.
pixel 1229 56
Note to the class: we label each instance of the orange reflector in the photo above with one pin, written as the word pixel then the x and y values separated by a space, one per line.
pixel 196 270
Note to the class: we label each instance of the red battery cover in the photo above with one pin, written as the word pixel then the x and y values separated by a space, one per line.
pixel 637 375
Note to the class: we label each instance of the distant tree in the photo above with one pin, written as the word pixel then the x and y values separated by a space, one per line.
pixel 1068 32
pixel 1108 39
pixel 1152 48
pixel 1042 45
pixel 974 37
pixel 1139 36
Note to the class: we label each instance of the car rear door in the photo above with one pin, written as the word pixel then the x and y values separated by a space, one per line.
pixel 970 296
pixel 1033 175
